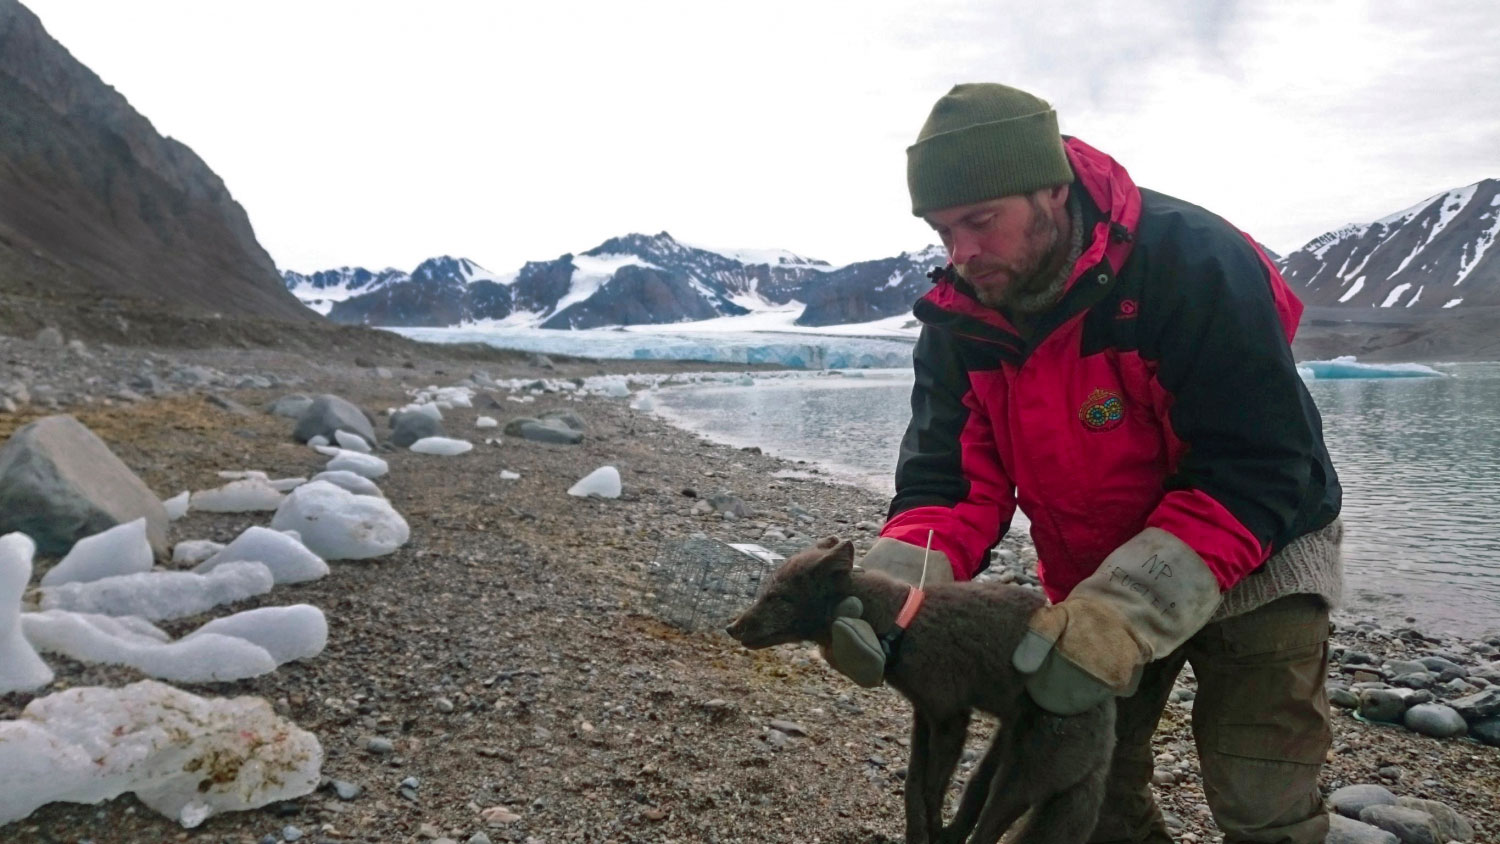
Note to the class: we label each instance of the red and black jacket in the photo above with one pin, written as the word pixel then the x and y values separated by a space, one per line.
pixel 1161 391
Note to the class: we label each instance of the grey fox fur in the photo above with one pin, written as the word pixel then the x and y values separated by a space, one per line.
pixel 954 658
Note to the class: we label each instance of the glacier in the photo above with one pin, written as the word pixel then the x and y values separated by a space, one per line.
pixel 794 350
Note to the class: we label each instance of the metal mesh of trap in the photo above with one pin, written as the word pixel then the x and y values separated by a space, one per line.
pixel 702 584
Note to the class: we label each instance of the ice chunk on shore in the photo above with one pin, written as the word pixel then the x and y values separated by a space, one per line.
pixel 250 495
pixel 427 408
pixel 176 506
pixel 614 388
pixel 90 637
pixel 508 475
pixel 366 465
pixel 1347 367
pixel 243 474
pixel 644 403
pixel 336 524
pixel 20 668
pixel 288 559
pixel 161 595
pixel 357 484
pixel 603 482
pixel 317 441
pixel 353 442
pixel 441 446
pixel 289 633
pixel 287 484
pixel 190 552
pixel 123 549
pixel 486 422
pixel 184 756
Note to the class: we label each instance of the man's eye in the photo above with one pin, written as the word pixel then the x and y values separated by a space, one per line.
pixel 981 222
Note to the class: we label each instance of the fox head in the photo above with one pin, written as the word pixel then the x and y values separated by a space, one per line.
pixel 797 602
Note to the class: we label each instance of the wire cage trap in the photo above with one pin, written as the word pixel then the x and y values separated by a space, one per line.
pixel 702 584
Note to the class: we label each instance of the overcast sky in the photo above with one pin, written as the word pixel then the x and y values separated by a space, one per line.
pixel 379 134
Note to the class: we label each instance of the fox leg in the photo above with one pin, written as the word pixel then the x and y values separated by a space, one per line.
pixel 978 789
pixel 943 751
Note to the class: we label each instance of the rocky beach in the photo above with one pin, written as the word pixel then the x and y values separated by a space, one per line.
pixel 506 674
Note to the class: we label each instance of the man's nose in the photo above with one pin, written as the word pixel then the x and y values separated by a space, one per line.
pixel 962 248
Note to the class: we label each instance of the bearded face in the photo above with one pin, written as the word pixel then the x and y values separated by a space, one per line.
pixel 1011 250
pixel 1031 280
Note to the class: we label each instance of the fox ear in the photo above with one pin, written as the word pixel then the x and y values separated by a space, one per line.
pixel 840 556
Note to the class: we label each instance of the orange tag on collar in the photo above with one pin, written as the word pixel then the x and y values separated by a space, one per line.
pixel 909 609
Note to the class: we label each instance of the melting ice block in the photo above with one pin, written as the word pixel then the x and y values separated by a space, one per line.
pixel 336 524
pixel 352 442
pixel 644 403
pixel 90 637
pixel 357 484
pixel 20 668
pixel 486 422
pixel 161 595
pixel 366 465
pixel 288 559
pixel 176 506
pixel 603 482
pixel 442 446
pixel 249 495
pixel 123 549
pixel 286 633
pixel 184 756
pixel 194 551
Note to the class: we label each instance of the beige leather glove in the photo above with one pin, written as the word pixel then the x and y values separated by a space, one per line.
pixel 903 561
pixel 1147 598
pixel 856 651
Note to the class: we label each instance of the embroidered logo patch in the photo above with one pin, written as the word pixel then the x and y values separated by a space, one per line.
pixel 1103 410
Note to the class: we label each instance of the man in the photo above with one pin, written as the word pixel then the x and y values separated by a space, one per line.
pixel 1117 363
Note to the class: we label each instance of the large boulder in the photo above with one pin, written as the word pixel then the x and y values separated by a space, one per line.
pixel 329 414
pixel 410 426
pixel 60 483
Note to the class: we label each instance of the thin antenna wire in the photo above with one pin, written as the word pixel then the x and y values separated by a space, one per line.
pixel 923 581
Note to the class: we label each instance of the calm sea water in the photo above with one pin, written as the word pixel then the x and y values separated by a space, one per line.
pixel 1419 459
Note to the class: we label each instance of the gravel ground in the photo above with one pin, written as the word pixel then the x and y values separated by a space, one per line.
pixel 510 658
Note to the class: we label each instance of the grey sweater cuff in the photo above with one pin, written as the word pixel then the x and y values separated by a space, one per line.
pixel 1310 564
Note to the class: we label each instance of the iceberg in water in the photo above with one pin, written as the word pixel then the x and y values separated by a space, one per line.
pixel 1347 367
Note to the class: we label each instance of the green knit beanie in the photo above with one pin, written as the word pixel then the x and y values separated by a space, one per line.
pixel 984 141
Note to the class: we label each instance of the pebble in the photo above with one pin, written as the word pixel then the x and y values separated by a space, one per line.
pixel 443 705
pixel 499 816
pixel 380 746
pixel 1436 720
pixel 1342 830
pixel 479 838
pixel 1350 800
pixel 1381 705
pixel 775 738
pixel 347 790
pixel 291 833
pixel 1409 825
pixel 791 728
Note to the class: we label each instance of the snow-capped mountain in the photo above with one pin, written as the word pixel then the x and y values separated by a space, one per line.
pixel 630 280
pixel 320 290
pixel 871 290
pixel 1427 259
pixel 1432 256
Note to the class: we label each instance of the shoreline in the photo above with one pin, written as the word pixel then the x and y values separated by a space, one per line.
pixel 511 654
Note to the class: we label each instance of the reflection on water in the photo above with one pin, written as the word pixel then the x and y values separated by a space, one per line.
pixel 1418 459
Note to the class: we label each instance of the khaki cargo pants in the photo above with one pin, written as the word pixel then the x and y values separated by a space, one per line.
pixel 1260 720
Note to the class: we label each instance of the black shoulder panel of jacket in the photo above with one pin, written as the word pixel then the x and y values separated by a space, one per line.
pixel 1206 315
pixel 929 470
